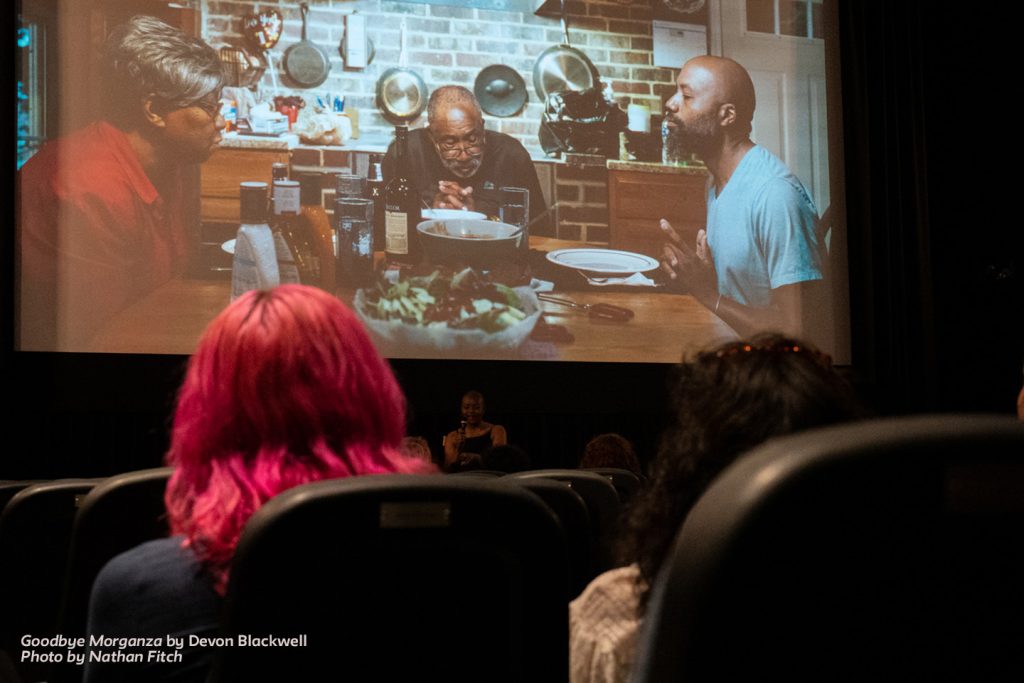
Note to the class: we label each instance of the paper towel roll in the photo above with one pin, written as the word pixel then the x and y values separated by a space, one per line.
pixel 639 118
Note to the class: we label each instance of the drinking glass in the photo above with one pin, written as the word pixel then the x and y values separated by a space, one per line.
pixel 355 240
pixel 515 210
pixel 515 206
pixel 350 185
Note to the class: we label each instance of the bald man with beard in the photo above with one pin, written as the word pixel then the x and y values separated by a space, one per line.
pixel 759 263
pixel 454 163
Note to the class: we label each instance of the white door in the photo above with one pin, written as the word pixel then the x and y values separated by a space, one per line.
pixel 775 40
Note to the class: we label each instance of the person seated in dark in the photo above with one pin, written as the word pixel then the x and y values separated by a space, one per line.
pixel 454 163
pixel 610 450
pixel 474 436
pixel 285 388
pixel 725 402
pixel 104 212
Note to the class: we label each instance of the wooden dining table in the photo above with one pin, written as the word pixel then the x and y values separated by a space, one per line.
pixel 665 325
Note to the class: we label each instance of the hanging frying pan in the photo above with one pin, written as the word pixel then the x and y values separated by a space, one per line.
pixel 401 92
pixel 305 62
pixel 563 67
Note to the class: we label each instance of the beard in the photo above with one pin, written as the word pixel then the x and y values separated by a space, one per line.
pixel 692 138
pixel 463 169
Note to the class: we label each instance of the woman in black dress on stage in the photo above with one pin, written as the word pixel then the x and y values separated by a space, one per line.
pixel 474 436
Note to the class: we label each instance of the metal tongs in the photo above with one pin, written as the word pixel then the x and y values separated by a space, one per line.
pixel 603 311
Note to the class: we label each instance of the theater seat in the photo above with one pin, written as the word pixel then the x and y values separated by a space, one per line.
pixel 10 487
pixel 118 514
pixel 626 484
pixel 35 534
pixel 580 536
pixel 602 504
pixel 885 550
pixel 400 578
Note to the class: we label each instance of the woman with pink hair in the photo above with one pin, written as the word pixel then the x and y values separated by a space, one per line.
pixel 284 388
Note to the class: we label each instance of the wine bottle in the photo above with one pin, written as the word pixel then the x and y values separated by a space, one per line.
pixel 401 208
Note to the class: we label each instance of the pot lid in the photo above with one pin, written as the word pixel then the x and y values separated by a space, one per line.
pixel 500 90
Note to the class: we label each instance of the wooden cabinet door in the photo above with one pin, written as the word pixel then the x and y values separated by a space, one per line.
pixel 638 199
pixel 222 173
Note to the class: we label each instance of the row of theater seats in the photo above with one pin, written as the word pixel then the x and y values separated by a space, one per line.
pixel 891 549
pixel 438 536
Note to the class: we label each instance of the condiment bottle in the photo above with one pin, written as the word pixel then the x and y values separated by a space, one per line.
pixel 291 254
pixel 254 264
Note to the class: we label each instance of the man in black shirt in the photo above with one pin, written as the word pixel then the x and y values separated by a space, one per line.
pixel 455 163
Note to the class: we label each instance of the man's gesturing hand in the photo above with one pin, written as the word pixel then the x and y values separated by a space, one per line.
pixel 690 268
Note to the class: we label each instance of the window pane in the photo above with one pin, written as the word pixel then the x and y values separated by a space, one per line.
pixel 761 16
pixel 793 17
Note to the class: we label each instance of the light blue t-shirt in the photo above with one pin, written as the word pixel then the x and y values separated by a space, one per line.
pixel 761 230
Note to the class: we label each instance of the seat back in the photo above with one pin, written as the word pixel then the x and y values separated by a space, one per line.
pixel 400 577
pixel 602 504
pixel 580 535
pixel 626 484
pixel 35 534
pixel 478 473
pixel 118 514
pixel 882 550
pixel 10 487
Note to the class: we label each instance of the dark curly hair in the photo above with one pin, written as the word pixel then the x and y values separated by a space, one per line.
pixel 725 402
pixel 610 450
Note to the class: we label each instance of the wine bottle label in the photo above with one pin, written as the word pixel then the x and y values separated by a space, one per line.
pixel 286 202
pixel 396 232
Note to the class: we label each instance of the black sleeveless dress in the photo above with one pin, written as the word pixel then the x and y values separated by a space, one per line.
pixel 477 444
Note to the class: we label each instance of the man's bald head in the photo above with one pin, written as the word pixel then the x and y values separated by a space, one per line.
pixel 449 97
pixel 728 82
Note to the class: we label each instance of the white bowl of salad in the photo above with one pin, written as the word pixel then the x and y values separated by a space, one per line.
pixel 447 316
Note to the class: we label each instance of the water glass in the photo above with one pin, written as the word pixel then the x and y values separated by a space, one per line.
pixel 350 185
pixel 515 210
pixel 354 220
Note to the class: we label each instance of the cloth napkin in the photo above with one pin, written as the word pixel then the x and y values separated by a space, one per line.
pixel 634 280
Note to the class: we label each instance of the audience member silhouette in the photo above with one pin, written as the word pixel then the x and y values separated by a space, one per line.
pixel 417 447
pixel 725 402
pixel 284 388
pixel 610 450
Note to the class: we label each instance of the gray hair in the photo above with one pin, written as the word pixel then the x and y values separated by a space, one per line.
pixel 145 57
pixel 449 96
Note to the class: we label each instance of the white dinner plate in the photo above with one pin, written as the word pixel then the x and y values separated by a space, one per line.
pixel 606 261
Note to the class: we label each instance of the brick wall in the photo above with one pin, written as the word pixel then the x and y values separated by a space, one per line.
pixel 452 44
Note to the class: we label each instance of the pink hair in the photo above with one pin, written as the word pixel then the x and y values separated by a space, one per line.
pixel 284 388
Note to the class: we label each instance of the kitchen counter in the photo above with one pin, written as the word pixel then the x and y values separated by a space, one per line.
pixel 652 167
pixel 280 143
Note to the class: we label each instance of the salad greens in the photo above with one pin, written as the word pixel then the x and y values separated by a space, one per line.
pixel 463 300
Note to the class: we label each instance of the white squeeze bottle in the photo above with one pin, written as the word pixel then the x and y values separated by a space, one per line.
pixel 255 262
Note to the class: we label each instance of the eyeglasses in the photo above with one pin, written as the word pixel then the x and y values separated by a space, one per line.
pixel 212 109
pixel 473 145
